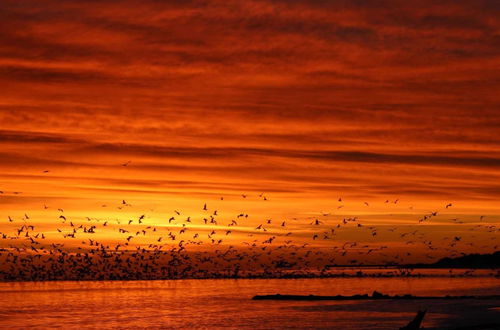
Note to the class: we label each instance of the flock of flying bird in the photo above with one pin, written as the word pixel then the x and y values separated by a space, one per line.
pixel 184 247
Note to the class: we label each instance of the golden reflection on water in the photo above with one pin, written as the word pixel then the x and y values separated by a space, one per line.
pixel 227 303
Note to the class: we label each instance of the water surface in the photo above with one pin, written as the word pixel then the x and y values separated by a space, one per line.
pixel 226 303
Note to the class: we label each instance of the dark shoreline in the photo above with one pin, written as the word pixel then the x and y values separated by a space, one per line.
pixel 255 277
pixel 291 275
pixel 375 296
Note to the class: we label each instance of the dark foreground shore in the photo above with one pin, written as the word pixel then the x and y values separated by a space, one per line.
pixel 375 296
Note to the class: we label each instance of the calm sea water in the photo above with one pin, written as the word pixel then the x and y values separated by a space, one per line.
pixel 226 303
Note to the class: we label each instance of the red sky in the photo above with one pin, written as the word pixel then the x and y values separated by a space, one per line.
pixel 303 101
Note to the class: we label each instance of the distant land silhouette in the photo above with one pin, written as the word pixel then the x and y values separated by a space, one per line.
pixel 479 261
pixel 375 296
pixel 144 265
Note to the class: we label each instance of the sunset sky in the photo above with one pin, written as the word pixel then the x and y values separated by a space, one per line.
pixel 294 104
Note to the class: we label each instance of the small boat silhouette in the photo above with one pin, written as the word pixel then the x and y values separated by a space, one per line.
pixel 416 322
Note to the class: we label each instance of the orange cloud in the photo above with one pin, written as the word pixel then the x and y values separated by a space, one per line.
pixel 303 100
